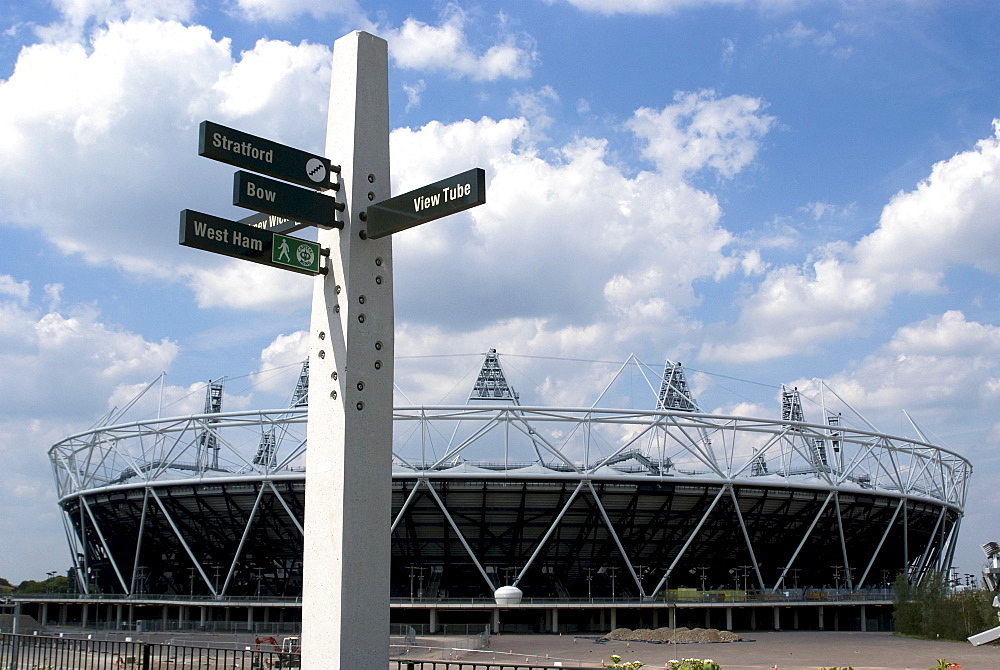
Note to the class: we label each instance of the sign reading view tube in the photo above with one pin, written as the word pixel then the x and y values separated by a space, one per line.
pixel 427 203
pixel 258 154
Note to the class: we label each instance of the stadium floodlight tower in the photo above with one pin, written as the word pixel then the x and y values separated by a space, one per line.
pixel 991 577
pixel 491 384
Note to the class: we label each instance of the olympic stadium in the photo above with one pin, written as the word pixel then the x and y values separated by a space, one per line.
pixel 572 505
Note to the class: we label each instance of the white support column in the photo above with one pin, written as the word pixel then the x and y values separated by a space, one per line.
pixel 433 627
pixel 777 618
pixel 496 621
pixel 614 618
pixel 864 620
pixel 729 618
pixel 250 619
pixel 708 617
pixel 204 612
pixel 821 617
pixel 673 617
pixel 555 620
pixel 345 608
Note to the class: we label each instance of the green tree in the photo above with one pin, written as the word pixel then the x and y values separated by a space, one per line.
pixel 54 584
pixel 930 610
pixel 906 611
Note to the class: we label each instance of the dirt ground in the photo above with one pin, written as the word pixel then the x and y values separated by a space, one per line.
pixel 759 651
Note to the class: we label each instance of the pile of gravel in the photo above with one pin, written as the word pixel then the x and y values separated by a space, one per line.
pixel 676 635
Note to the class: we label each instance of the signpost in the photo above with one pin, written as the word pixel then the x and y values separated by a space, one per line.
pixel 346 558
pixel 427 203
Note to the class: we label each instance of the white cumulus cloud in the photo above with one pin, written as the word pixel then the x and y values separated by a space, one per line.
pixel 285 10
pixel 417 45
pixel 948 220
pixel 114 124
pixel 702 130
pixel 59 370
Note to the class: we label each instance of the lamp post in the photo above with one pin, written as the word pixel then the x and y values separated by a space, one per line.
pixel 414 570
pixel 612 570
pixel 744 571
pixel 641 571
pixel 702 569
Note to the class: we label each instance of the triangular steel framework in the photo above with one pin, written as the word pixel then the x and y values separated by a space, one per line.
pixel 300 397
pixel 674 390
pixel 491 384
pixel 209 445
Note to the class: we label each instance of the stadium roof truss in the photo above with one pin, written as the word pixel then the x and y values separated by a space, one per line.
pixel 527 490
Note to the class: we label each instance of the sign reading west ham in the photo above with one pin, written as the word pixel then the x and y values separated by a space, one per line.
pixel 232 238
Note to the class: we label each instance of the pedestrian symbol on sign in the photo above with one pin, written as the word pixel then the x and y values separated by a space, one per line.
pixel 283 250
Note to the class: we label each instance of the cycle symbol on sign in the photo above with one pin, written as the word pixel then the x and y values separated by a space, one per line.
pixel 304 255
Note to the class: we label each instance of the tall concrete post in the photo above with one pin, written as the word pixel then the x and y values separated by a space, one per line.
pixel 345 605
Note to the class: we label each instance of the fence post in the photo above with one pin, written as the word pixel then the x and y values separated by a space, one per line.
pixel 15 647
pixel 146 654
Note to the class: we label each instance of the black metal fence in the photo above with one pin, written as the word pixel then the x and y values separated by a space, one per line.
pixel 35 652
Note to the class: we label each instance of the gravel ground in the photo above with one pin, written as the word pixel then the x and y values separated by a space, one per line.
pixel 799 650
pixel 790 650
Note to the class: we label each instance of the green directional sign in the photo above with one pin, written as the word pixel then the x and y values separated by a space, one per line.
pixel 291 202
pixel 264 156
pixel 295 254
pixel 427 203
pixel 232 238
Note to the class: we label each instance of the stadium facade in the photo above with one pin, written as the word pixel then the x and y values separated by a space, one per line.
pixel 567 504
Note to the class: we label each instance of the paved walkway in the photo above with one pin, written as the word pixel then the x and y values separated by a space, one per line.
pixel 800 650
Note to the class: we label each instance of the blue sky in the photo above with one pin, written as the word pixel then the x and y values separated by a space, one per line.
pixel 772 190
